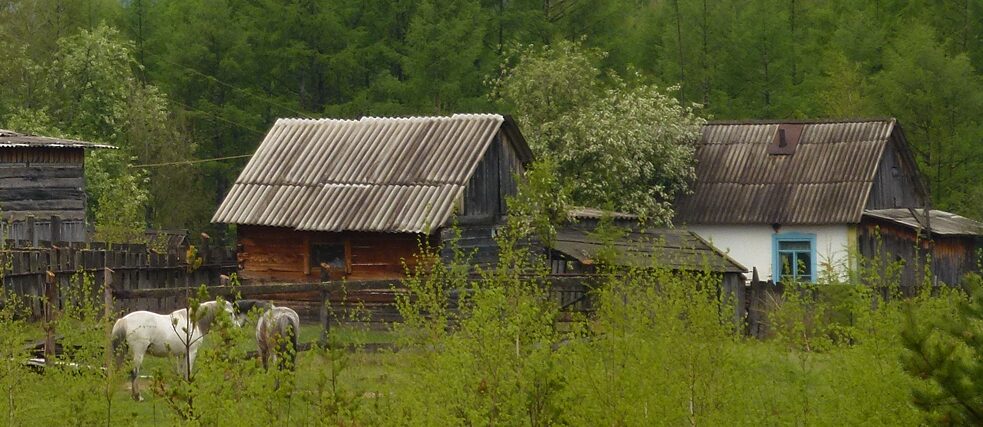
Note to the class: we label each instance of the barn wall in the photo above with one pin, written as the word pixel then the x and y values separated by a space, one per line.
pixel 481 194
pixel 511 168
pixel 888 242
pixel 751 245
pixel 283 255
pixel 42 182
pixel 894 182
pixel 493 182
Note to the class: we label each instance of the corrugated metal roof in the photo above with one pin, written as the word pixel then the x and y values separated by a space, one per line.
pixel 580 212
pixel 670 248
pixel 941 222
pixel 827 180
pixel 372 174
pixel 10 138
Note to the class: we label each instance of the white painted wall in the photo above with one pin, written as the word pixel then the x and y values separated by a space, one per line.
pixel 750 245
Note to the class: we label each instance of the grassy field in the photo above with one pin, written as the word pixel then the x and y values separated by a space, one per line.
pixel 366 373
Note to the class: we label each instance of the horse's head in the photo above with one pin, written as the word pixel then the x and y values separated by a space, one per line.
pixel 244 306
pixel 209 309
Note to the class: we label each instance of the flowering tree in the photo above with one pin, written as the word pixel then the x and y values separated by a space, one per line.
pixel 617 142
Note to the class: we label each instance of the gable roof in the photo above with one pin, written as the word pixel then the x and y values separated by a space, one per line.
pixel 670 248
pixel 371 174
pixel 826 180
pixel 10 139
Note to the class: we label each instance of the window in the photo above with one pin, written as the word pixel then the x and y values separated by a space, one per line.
pixel 332 254
pixel 794 256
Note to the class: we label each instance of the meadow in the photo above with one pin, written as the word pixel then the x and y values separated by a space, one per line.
pixel 661 348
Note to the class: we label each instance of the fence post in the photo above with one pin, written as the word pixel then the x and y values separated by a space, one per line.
pixel 55 229
pixel 325 307
pixel 107 312
pixel 50 302
pixel 32 232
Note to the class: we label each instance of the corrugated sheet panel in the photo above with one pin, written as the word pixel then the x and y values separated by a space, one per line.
pixel 674 249
pixel 13 139
pixel 373 174
pixel 827 179
pixel 941 222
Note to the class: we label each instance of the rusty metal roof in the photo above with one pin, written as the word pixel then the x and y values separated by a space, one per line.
pixel 826 180
pixel 372 174
pixel 669 248
pixel 10 138
pixel 940 222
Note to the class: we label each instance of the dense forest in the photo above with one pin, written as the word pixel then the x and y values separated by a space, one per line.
pixel 176 84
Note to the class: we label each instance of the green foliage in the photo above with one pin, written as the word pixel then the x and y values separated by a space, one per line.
pixel 946 356
pixel 189 79
pixel 615 141
pixel 541 203
pixel 119 199
pixel 932 93
pixel 444 50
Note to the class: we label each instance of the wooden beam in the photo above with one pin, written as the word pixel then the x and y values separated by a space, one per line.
pixel 260 289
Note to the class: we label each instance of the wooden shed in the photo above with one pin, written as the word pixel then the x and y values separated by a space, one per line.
pixel 359 196
pixel 947 244
pixel 42 187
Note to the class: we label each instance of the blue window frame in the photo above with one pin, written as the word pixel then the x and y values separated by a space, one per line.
pixel 794 256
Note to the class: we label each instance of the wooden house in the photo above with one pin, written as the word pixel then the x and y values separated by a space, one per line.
pixel 42 187
pixel 359 196
pixel 795 198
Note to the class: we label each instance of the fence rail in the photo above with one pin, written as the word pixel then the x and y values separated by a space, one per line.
pixel 27 271
pixel 52 228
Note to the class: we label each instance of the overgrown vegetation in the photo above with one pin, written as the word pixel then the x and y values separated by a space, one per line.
pixel 484 345
pixel 662 348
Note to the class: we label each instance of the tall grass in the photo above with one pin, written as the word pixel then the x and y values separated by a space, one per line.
pixel 662 348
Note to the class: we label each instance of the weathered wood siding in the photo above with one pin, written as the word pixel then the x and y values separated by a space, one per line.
pixel 894 182
pixel 475 241
pixel 42 182
pixel 887 243
pixel 492 183
pixel 134 267
pixel 283 255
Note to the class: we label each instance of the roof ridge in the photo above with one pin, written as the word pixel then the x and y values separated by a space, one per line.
pixel 815 121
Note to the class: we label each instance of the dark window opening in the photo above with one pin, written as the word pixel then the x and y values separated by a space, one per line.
pixel 331 254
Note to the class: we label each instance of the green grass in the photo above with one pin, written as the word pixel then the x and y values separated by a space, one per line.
pixel 367 373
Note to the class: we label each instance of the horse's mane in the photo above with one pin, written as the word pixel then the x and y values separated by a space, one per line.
pixel 209 310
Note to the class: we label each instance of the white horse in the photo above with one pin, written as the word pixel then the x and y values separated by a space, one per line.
pixel 163 335
pixel 277 332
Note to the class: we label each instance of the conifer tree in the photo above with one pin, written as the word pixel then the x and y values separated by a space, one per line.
pixel 948 358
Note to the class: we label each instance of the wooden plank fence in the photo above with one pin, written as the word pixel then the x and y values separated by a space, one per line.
pixel 371 302
pixel 26 268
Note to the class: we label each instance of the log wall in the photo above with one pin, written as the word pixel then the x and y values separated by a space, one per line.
pixel 279 254
pixel 43 182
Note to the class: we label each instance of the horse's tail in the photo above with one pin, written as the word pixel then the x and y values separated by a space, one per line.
pixel 289 335
pixel 119 341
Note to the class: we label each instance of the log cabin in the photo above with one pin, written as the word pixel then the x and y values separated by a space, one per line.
pixel 358 197
pixel 42 187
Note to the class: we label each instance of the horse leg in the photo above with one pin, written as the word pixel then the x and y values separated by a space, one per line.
pixel 135 374
pixel 191 360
